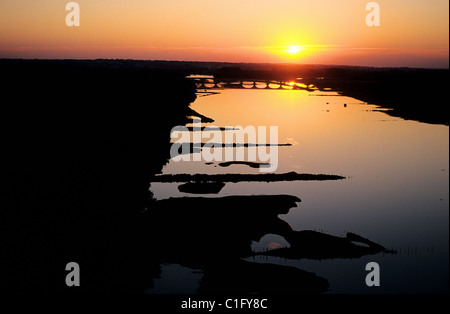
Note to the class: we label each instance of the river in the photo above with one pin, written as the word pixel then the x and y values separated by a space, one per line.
pixel 395 191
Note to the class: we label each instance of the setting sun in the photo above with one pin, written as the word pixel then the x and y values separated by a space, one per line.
pixel 293 50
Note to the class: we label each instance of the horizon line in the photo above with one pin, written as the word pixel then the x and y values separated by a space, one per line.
pixel 230 62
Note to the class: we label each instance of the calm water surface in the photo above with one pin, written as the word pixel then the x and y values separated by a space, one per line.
pixel 396 190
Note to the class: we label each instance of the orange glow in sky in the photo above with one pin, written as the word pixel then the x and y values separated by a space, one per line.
pixel 412 32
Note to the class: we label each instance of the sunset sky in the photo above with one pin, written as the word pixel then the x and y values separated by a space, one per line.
pixel 412 33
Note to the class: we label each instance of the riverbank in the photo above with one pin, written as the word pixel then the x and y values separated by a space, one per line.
pixel 411 94
pixel 80 142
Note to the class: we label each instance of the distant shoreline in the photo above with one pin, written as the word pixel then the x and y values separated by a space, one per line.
pixel 241 64
pixel 410 93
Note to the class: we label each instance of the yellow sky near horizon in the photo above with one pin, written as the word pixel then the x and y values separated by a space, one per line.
pixel 412 32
